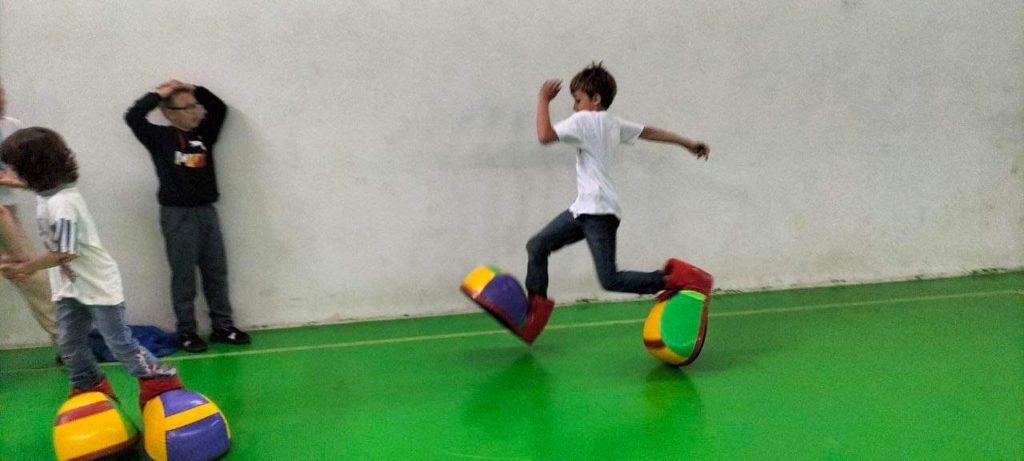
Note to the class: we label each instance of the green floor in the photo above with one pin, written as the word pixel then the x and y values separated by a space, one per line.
pixel 917 370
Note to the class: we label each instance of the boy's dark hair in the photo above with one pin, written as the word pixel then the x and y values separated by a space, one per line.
pixel 595 79
pixel 165 102
pixel 40 157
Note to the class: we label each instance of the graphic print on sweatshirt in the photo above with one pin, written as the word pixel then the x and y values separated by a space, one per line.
pixel 191 154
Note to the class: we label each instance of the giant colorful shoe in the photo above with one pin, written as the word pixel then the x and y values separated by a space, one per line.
pixel 90 426
pixel 681 275
pixel 152 387
pixel 677 324
pixel 501 295
pixel 102 386
pixel 184 425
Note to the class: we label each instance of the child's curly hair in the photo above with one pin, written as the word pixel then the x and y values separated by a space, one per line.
pixel 40 157
pixel 595 79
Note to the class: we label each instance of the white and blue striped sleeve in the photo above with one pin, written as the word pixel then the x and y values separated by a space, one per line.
pixel 63 224
pixel 65 236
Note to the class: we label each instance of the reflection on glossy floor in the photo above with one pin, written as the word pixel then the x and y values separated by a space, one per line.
pixel 916 370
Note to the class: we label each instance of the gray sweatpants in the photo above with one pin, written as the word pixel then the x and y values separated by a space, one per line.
pixel 192 238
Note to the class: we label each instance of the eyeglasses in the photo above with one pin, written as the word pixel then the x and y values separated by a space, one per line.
pixel 190 107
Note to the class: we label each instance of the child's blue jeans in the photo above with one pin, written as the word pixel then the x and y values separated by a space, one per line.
pixel 74 320
pixel 599 231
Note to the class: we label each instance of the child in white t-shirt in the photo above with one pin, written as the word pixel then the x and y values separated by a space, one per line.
pixel 84 279
pixel 594 215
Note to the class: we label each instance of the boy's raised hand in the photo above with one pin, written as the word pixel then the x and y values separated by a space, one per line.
pixel 165 88
pixel 187 86
pixel 700 150
pixel 169 86
pixel 550 89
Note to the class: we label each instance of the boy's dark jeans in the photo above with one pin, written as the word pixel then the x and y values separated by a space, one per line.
pixel 599 231
pixel 192 238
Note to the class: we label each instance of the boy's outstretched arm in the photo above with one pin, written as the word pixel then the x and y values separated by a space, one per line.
pixel 545 131
pixel 21 270
pixel 697 148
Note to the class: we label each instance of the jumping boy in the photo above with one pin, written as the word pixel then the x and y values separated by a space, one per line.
pixel 183 156
pixel 84 279
pixel 594 215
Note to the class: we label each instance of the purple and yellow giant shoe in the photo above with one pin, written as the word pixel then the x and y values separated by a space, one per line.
pixel 501 295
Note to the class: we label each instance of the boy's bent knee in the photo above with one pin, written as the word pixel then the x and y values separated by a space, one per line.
pixel 536 247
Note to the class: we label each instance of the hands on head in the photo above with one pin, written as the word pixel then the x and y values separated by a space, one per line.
pixel 171 86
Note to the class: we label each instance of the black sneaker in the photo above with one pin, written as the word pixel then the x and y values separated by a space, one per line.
pixel 231 336
pixel 191 342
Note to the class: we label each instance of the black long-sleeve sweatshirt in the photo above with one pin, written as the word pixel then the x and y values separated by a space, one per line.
pixel 183 159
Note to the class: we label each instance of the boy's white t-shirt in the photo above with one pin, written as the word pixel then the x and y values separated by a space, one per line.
pixel 67 227
pixel 8 125
pixel 597 135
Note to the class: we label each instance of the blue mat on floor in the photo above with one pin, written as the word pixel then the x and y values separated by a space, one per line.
pixel 159 342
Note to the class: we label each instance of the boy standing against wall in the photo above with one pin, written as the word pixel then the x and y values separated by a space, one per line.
pixel 594 215
pixel 183 156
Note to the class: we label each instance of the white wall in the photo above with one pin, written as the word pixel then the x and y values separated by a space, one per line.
pixel 376 151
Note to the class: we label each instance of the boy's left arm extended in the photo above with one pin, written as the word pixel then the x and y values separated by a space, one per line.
pixel 23 269
pixel 697 148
